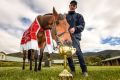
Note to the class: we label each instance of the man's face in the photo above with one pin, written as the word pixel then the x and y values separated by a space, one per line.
pixel 72 7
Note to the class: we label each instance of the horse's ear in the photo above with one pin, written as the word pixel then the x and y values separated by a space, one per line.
pixel 55 13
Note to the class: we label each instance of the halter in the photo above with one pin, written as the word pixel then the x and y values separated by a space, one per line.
pixel 62 33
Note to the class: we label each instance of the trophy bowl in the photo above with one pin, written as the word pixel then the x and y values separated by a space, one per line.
pixel 66 51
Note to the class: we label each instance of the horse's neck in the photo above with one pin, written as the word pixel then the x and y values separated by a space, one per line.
pixel 40 20
pixel 46 20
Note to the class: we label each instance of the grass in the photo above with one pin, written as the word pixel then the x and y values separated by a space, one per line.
pixel 95 73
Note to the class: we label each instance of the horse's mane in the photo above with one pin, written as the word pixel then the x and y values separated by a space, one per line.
pixel 60 16
pixel 49 14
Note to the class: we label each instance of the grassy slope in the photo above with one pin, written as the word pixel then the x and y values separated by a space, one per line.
pixel 95 73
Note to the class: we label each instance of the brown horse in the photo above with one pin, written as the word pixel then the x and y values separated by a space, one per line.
pixel 59 29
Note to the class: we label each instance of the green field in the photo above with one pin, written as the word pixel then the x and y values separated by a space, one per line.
pixel 95 73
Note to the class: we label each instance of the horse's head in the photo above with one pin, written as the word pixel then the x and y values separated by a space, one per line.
pixel 56 22
pixel 61 27
pixel 62 32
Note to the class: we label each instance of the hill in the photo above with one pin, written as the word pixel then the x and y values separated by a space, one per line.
pixel 19 54
pixel 105 54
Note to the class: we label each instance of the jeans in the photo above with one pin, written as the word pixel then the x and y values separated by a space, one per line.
pixel 79 54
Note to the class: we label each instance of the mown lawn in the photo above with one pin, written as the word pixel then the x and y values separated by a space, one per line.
pixel 95 73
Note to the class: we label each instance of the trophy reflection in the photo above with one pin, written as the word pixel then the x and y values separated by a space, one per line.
pixel 66 51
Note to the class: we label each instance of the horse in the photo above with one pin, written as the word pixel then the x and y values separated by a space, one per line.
pixel 58 27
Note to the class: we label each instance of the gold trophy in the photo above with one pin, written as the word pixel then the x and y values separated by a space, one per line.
pixel 66 51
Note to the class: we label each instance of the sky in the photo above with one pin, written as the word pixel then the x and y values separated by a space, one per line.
pixel 102 18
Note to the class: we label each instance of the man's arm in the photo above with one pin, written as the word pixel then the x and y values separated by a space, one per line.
pixel 80 24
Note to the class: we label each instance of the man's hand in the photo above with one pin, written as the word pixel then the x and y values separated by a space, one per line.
pixel 72 30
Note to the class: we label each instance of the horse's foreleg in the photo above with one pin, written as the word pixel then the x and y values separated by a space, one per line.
pixel 40 59
pixel 30 58
pixel 24 57
pixel 36 57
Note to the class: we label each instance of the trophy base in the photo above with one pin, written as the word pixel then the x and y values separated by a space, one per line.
pixel 65 75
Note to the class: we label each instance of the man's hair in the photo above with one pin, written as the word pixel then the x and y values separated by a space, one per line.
pixel 73 2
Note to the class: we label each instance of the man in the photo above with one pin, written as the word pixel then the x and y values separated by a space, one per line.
pixel 76 22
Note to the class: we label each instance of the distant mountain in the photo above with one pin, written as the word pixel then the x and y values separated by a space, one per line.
pixel 17 54
pixel 53 55
pixel 105 53
pixel 90 54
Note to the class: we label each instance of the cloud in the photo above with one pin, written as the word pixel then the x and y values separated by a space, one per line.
pixel 102 21
pixel 8 42
pixel 17 15
pixel 10 14
pixel 11 27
